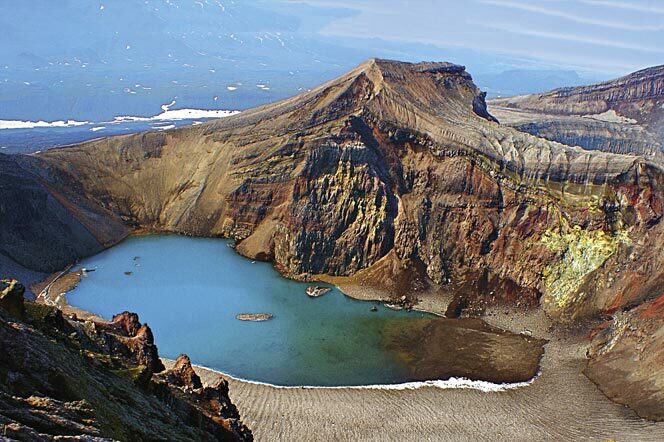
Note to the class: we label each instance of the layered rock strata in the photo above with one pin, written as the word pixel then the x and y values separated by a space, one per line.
pixel 625 115
pixel 393 161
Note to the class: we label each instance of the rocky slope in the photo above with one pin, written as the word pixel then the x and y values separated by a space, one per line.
pixel 393 175
pixel 625 115
pixel 626 359
pixel 40 229
pixel 65 379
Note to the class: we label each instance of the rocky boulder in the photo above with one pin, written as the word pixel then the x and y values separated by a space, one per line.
pixel 182 374
pixel 124 337
pixel 11 297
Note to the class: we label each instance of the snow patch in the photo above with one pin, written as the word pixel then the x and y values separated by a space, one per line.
pixel 17 124
pixel 179 114
pixel 611 116
pixel 165 116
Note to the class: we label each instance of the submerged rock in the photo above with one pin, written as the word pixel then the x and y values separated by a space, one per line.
pixel 255 317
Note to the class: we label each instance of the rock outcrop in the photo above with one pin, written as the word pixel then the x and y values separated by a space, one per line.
pixel 182 374
pixel 625 115
pixel 11 297
pixel 626 359
pixel 125 338
pixel 65 379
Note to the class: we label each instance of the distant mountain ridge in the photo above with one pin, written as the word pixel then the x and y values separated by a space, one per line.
pixel 625 115
pixel 524 81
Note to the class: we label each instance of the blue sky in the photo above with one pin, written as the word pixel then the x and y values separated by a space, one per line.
pixel 608 36
pixel 95 59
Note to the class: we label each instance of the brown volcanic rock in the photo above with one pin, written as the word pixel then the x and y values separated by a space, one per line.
pixel 392 168
pixel 43 231
pixel 57 385
pixel 182 374
pixel 11 297
pixel 124 337
pixel 634 95
pixel 391 157
pixel 212 399
pixel 625 115
pixel 627 359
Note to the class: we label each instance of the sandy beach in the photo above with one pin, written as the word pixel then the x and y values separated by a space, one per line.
pixel 561 404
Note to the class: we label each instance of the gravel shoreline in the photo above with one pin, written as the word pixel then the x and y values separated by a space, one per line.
pixel 560 404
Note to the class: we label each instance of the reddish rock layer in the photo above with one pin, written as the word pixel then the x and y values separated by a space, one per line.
pixel 627 359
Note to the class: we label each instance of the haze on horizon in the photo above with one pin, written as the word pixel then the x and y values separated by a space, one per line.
pixel 94 60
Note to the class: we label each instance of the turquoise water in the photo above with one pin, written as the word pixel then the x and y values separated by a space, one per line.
pixel 190 289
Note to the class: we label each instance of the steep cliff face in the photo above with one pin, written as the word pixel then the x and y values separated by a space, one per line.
pixel 393 162
pixel 65 379
pixel 42 230
pixel 626 359
pixel 625 115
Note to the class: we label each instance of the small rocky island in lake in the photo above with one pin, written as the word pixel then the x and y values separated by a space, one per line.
pixel 315 291
pixel 255 317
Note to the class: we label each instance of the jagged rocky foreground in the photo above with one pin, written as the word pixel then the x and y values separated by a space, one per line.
pixel 394 176
pixel 67 379
pixel 625 115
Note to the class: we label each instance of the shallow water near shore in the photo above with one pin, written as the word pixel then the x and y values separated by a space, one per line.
pixel 192 291
pixel 189 290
